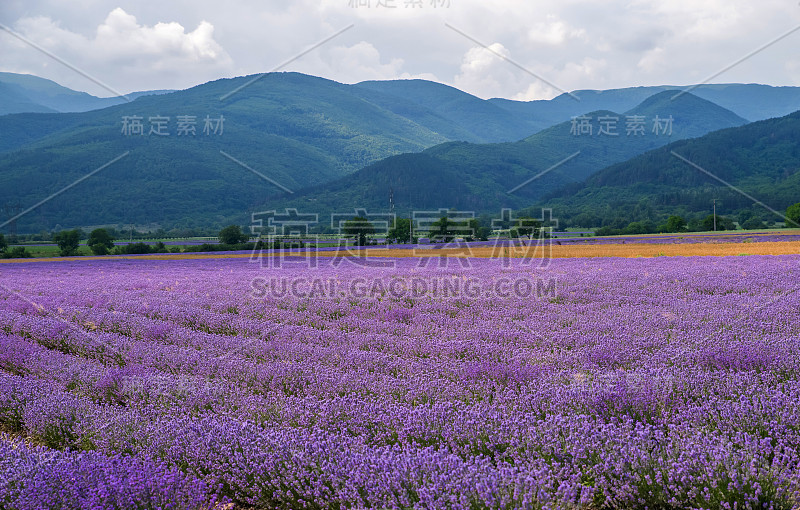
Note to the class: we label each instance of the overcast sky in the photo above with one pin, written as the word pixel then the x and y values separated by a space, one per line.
pixel 134 45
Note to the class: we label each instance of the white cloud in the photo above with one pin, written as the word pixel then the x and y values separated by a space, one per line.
pixel 793 68
pixel 122 53
pixel 554 32
pixel 362 61
pixel 350 64
pixel 483 72
pixel 486 75
pixel 573 44
pixel 120 36
pixel 704 20
pixel 536 90
pixel 652 59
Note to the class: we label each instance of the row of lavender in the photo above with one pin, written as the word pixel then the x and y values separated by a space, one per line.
pixel 638 383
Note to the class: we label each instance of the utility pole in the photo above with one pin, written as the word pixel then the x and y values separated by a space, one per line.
pixel 715 215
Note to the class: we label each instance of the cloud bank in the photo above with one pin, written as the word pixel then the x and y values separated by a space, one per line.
pixel 572 44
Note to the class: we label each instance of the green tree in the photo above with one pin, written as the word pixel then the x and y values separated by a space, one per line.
pixel 586 220
pixel 3 243
pixel 359 228
pixel 793 216
pixel 68 241
pixel 133 249
pixel 17 252
pixel 232 234
pixel 753 223
pixel 442 230
pixel 479 232
pixel 639 227
pixel 401 231
pixel 695 225
pixel 723 223
pixel 744 215
pixel 100 241
pixel 607 231
pixel 675 224
pixel 526 227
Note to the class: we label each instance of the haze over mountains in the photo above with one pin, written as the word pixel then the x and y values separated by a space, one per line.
pixel 25 93
pixel 750 101
pixel 333 145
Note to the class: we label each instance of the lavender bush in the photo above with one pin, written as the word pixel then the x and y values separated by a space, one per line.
pixel 636 383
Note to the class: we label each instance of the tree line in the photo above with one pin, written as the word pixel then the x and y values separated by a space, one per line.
pixel 361 231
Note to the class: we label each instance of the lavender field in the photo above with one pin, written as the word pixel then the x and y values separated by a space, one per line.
pixel 618 383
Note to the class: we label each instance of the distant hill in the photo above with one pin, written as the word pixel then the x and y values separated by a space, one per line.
pixel 761 159
pixel 14 100
pixel 448 113
pixel 750 101
pixel 294 129
pixel 25 93
pixel 455 114
pixel 523 118
pixel 485 121
pixel 561 108
pixel 300 132
pixel 481 177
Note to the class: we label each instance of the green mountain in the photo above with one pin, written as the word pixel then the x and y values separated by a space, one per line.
pixel 14 100
pixel 487 177
pixel 481 120
pixel 752 101
pixel 288 130
pixel 452 115
pixel 25 93
pixel 444 109
pixel 334 145
pixel 562 108
pixel 761 160
pixel 749 101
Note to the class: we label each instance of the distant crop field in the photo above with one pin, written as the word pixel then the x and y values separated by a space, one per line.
pixel 551 249
pixel 603 250
pixel 665 382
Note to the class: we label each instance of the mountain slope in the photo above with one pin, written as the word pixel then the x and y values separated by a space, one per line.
pixel 446 114
pixel 297 132
pixel 25 93
pixel 13 100
pixel 481 177
pixel 761 159
pixel 750 101
pixel 292 129
pixel 565 106
pixel 486 121
pixel 753 101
